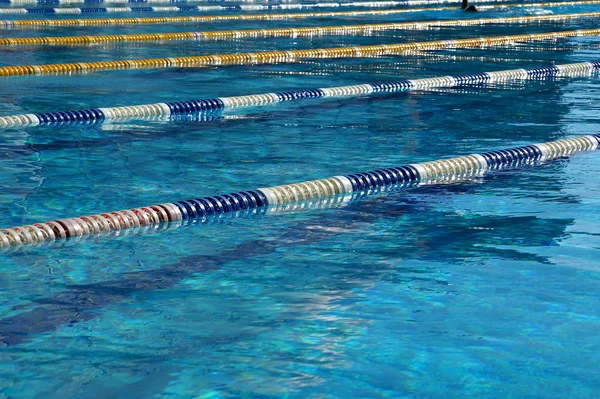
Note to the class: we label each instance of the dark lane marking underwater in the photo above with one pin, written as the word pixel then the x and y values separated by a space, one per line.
pixel 79 302
pixel 84 302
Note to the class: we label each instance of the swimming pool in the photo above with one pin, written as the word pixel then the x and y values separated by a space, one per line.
pixel 484 287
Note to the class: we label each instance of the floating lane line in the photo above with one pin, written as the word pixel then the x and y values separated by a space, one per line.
pixel 283 32
pixel 290 4
pixel 41 23
pixel 100 115
pixel 336 201
pixel 236 7
pixel 287 56
pixel 262 7
pixel 445 170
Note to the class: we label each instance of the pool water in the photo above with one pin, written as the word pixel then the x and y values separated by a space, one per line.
pixel 486 287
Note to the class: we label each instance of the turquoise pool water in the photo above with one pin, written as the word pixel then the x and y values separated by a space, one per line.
pixel 482 288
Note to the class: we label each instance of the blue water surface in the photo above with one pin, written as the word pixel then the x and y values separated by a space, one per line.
pixel 486 287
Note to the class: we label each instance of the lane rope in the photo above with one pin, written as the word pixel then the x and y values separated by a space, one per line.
pixel 286 3
pixel 444 170
pixel 248 7
pixel 236 7
pixel 287 56
pixel 332 202
pixel 100 115
pixel 41 23
pixel 282 32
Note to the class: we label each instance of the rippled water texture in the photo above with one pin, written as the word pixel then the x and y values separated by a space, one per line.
pixel 481 288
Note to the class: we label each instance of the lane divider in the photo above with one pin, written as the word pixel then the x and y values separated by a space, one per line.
pixel 263 7
pixel 287 56
pixel 99 115
pixel 40 23
pixel 283 32
pixel 445 169
pixel 236 7
pixel 335 4
pixel 336 201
